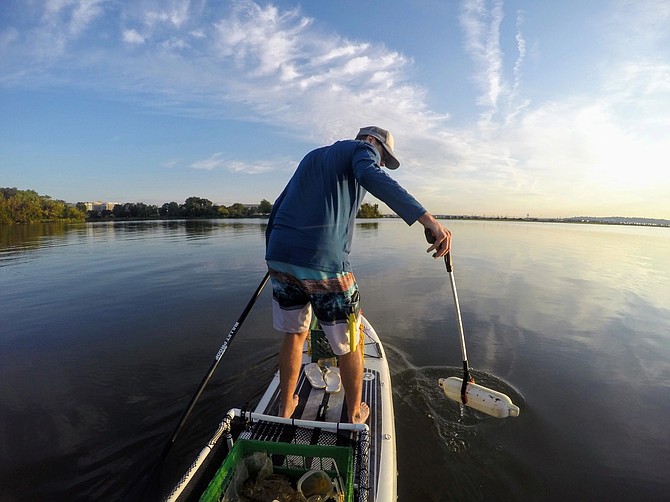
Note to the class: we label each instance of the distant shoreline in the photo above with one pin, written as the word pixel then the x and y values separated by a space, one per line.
pixel 630 222
pixel 613 220
pixel 635 222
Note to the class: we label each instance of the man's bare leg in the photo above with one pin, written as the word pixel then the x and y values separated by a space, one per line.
pixel 290 360
pixel 351 370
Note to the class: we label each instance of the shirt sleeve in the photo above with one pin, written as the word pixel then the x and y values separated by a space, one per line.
pixel 371 177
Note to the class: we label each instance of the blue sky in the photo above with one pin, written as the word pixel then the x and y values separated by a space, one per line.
pixel 500 108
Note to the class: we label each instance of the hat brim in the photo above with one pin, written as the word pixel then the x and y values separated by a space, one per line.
pixel 390 162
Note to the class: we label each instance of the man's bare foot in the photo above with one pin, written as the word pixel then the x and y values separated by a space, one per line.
pixel 290 409
pixel 362 416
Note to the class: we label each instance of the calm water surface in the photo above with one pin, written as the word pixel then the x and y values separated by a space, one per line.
pixel 107 329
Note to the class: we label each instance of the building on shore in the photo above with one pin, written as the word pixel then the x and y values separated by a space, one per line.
pixel 100 206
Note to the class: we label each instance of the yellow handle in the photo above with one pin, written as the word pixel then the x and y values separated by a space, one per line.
pixel 352 331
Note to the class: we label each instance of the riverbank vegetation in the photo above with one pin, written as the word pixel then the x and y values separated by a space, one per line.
pixel 193 207
pixel 369 211
pixel 27 206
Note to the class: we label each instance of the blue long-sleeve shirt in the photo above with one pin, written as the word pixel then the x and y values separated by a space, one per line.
pixel 312 221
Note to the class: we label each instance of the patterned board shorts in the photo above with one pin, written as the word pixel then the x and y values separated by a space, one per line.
pixel 297 291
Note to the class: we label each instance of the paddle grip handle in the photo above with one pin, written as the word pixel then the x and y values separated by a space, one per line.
pixel 429 235
pixel 447 258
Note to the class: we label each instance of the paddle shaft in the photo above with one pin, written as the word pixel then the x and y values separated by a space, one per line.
pixel 212 368
pixel 464 355
pixel 459 320
pixel 486 400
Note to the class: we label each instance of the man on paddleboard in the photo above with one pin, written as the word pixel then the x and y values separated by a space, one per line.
pixel 308 240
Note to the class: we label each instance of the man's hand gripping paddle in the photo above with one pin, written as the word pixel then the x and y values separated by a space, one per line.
pixel 465 390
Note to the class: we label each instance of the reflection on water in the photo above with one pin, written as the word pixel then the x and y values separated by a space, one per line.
pixel 107 328
pixel 367 226
pixel 17 241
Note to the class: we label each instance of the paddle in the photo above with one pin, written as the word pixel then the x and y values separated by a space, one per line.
pixel 464 356
pixel 151 477
pixel 476 396
pixel 215 363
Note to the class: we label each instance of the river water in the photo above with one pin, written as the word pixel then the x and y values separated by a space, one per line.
pixel 106 330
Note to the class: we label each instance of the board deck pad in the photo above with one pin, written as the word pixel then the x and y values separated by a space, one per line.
pixel 372 449
pixel 319 405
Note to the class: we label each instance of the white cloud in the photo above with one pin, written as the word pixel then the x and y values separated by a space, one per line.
pixel 133 37
pixel 176 16
pixel 62 23
pixel 7 38
pixel 515 108
pixel 74 15
pixel 481 22
pixel 170 164
pixel 214 161
pixel 258 167
pixel 218 161
pixel 84 12
pixel 482 38
pixel 641 24
pixel 244 60
pixel 261 40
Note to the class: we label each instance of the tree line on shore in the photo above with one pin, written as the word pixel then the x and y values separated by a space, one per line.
pixel 193 207
pixel 27 206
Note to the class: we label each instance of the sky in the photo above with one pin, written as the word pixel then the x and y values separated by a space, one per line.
pixel 498 107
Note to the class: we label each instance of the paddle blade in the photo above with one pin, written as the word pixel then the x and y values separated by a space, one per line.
pixel 480 398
